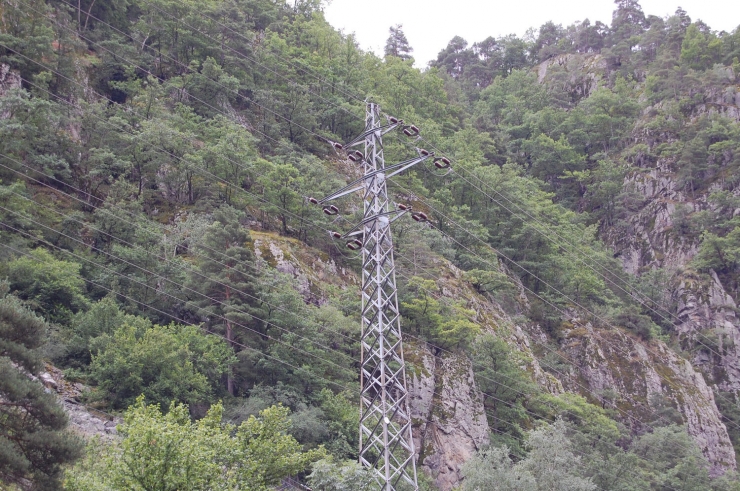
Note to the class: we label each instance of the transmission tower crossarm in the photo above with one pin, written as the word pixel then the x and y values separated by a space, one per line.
pixel 353 186
pixel 372 130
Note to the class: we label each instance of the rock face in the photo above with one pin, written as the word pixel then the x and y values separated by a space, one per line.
pixel 311 270
pixel 9 80
pixel 449 420
pixel 84 421
pixel 447 409
pixel 579 74
pixel 708 320
pixel 700 309
pixel 637 371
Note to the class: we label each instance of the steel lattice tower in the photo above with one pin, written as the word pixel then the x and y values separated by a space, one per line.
pixel 386 442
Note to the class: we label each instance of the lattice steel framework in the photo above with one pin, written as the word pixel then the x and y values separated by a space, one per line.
pixel 386 442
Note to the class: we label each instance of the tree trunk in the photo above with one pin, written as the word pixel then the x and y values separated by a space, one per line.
pixel 230 340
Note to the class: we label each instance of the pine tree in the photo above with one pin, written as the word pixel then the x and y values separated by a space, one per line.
pixel 397 45
pixel 224 280
pixel 33 441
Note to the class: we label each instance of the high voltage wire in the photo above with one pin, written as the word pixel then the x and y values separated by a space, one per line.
pixel 432 405
pixel 571 252
pixel 302 218
pixel 241 262
pixel 605 321
pixel 301 67
pixel 148 72
pixel 184 287
pixel 183 321
pixel 305 129
pixel 498 252
pixel 188 69
pixel 220 179
pixel 243 55
pixel 180 266
pixel 267 303
pixel 227 115
pixel 584 388
pixel 631 294
pixel 503 385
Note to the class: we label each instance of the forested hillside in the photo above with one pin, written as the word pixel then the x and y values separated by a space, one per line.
pixel 570 304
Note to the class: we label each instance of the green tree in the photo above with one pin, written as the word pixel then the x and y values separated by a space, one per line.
pixel 672 460
pixel 33 442
pixel 53 287
pixel 329 475
pixel 550 465
pixel 397 45
pixel 103 318
pixel 164 363
pixel 506 389
pixel 223 284
pixel 700 50
pixel 169 452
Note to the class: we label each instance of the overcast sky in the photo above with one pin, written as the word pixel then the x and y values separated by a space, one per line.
pixel 430 24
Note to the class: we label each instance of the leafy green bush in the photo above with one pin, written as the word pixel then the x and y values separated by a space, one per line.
pixel 50 286
pixel 169 452
pixel 164 363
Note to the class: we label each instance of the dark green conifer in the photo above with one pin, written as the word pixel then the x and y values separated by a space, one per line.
pixel 33 440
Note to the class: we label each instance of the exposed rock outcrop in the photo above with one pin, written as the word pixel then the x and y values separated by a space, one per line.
pixel 636 371
pixel 311 270
pixel 447 409
pixel 9 80
pixel 83 420
pixel 577 74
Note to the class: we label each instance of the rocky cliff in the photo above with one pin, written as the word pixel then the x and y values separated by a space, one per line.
pixel 447 407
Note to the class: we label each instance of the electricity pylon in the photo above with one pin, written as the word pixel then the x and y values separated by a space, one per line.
pixel 386 442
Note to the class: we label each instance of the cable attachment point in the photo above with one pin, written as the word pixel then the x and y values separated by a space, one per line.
pixel 331 210
pixel 355 156
pixel 420 216
pixel 442 163
pixel 354 244
pixel 411 130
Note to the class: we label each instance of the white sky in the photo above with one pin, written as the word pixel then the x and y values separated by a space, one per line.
pixel 430 24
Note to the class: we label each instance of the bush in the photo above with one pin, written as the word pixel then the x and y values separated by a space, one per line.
pixel 50 286
pixel 164 363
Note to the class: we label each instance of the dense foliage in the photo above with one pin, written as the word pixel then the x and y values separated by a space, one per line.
pixel 34 443
pixel 148 144
pixel 168 452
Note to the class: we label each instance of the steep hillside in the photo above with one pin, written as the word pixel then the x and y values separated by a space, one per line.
pixel 575 284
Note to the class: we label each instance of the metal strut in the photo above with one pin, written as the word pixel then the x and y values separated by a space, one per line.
pixel 386 442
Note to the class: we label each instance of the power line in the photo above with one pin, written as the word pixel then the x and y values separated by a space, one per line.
pixel 432 405
pixel 222 317
pixel 179 158
pixel 565 314
pixel 342 334
pixel 174 156
pixel 173 317
pixel 279 308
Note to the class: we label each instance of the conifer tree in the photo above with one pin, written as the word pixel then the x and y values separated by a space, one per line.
pixel 225 281
pixel 397 45
pixel 33 441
